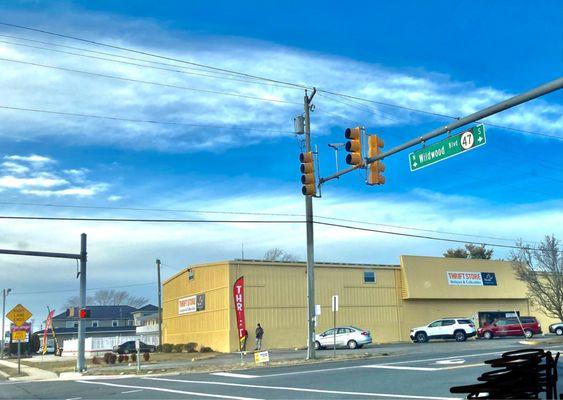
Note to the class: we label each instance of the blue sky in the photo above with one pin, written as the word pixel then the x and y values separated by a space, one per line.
pixel 446 57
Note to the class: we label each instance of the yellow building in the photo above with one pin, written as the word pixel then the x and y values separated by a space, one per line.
pixel 387 300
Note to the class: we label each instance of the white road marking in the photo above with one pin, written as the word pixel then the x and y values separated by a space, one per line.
pixel 133 391
pixel 294 389
pixel 231 375
pixel 74 398
pixel 385 366
pixel 450 362
pixel 158 389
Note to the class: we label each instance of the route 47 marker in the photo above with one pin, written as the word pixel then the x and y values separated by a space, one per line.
pixel 449 147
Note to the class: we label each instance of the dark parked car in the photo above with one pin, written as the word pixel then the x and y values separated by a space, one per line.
pixel 526 326
pixel 129 347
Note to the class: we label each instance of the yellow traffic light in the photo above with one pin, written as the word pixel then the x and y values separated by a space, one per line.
pixel 354 146
pixel 308 174
pixel 375 169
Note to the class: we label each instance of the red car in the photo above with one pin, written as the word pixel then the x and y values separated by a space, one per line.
pixel 527 326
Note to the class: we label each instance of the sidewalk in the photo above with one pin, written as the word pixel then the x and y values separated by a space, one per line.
pixel 31 373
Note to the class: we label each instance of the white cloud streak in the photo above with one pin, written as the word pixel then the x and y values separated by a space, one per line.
pixel 35 87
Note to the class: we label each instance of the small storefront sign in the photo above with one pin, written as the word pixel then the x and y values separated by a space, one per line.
pixel 261 357
pixel 471 278
pixel 191 304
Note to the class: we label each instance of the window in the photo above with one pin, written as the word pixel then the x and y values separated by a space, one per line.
pixel 94 324
pixel 448 322
pixel 114 323
pixel 464 321
pixel 435 324
pixel 369 276
pixel 75 324
pixel 69 324
pixel 190 274
pixel 344 330
pixel 129 322
pixel 329 332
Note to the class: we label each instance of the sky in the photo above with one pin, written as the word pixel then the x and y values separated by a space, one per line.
pixel 186 142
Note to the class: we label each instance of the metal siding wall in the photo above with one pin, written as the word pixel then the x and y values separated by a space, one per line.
pixel 209 327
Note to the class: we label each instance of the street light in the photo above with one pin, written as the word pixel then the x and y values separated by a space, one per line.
pixel 336 146
pixel 5 292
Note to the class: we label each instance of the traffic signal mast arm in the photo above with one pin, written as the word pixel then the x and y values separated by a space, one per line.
pixel 476 116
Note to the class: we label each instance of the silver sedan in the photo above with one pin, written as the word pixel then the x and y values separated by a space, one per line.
pixel 345 336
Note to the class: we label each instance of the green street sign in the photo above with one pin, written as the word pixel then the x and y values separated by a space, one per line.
pixel 447 148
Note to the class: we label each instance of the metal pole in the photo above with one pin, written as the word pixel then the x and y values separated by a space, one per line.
pixel 310 242
pixel 159 303
pixel 334 332
pixel 81 360
pixel 19 353
pixel 476 116
pixel 3 317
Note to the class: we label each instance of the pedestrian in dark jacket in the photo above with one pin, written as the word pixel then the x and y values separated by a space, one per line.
pixel 259 335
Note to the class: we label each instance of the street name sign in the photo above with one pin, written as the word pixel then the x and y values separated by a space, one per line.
pixel 444 149
pixel 18 315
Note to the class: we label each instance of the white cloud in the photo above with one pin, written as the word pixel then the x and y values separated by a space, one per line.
pixel 27 86
pixel 39 178
pixel 114 198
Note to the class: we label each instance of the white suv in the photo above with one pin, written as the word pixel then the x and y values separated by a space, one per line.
pixel 446 328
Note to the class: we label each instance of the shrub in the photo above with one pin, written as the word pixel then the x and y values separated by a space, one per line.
pixel 146 356
pixel 112 358
pixel 125 358
pixel 107 357
pixel 178 348
pixel 120 358
pixel 190 347
pixel 167 347
pixel 95 360
pixel 133 357
pixel 205 349
pixel 159 348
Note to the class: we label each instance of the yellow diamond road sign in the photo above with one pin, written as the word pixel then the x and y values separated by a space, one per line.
pixel 19 314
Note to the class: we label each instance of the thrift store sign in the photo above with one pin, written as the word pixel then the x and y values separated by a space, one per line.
pixel 471 278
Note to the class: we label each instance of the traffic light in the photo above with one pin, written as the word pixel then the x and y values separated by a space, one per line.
pixel 354 146
pixel 375 169
pixel 308 174
pixel 84 313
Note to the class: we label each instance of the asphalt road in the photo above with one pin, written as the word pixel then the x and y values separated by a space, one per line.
pixel 427 371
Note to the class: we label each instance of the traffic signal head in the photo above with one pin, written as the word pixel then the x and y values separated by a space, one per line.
pixel 308 174
pixel 84 313
pixel 354 146
pixel 375 169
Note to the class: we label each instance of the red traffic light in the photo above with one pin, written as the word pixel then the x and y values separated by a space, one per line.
pixel 84 313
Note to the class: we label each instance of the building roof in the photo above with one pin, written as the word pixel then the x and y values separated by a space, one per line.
pixel 148 317
pixel 148 307
pixel 104 312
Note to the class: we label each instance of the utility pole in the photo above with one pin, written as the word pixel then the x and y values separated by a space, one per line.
pixel 81 359
pixel 5 293
pixel 310 242
pixel 159 303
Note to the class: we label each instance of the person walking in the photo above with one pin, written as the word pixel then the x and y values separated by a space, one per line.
pixel 259 335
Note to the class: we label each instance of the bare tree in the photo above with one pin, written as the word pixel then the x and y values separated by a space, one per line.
pixel 276 254
pixel 109 297
pixel 541 268
pixel 471 251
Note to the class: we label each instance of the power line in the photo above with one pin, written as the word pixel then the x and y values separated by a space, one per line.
pixel 258 222
pixel 152 54
pixel 224 77
pixel 91 289
pixel 145 121
pixel 97 74
pixel 155 220
pixel 426 237
pixel 251 213
pixel 350 97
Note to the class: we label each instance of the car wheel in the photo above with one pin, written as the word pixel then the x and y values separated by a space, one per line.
pixel 352 344
pixel 317 345
pixel 528 333
pixel 421 337
pixel 460 336
pixel 559 331
pixel 488 335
